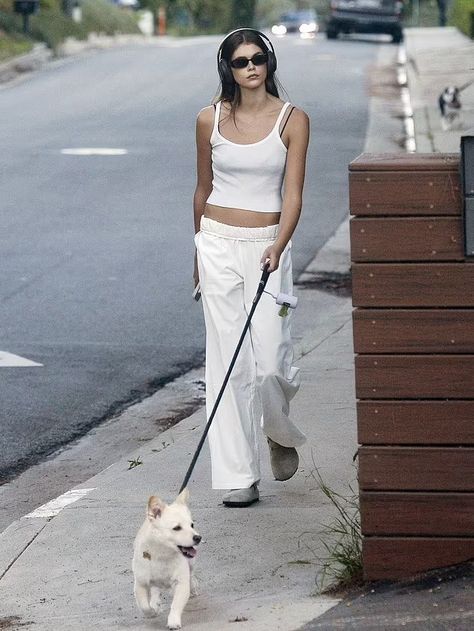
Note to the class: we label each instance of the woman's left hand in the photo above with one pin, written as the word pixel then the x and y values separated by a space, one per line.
pixel 272 256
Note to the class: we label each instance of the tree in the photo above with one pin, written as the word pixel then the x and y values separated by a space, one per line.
pixel 243 13
pixel 204 14
pixel 208 14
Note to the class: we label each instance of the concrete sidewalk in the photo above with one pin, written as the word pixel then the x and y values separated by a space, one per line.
pixel 72 570
pixel 437 58
pixel 67 565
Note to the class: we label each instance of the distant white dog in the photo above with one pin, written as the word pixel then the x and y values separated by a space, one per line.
pixel 164 550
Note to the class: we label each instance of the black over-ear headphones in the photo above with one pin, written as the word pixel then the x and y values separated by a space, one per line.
pixel 223 66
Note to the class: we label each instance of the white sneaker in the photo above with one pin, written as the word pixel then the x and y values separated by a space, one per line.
pixel 242 497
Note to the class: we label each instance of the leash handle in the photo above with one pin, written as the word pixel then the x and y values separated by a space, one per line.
pixel 263 282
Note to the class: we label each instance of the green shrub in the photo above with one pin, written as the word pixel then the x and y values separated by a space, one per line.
pixel 52 26
pixel 10 46
pixel 102 17
pixel 8 22
pixel 460 15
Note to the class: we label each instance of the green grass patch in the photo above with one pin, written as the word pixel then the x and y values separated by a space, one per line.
pixel 462 16
pixel 342 540
pixel 340 565
pixel 13 46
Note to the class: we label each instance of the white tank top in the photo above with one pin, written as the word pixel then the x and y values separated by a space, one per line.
pixel 248 176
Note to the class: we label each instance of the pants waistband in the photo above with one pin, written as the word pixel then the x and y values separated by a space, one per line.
pixel 243 233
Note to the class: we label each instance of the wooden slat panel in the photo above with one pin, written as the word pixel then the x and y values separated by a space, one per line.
pixel 404 193
pixel 407 239
pixel 414 376
pixel 413 285
pixel 434 514
pixel 406 162
pixel 416 468
pixel 399 557
pixel 415 422
pixel 413 330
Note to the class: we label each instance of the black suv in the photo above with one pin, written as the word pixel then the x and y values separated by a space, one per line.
pixel 366 16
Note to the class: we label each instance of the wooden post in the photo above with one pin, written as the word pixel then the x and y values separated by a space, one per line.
pixel 413 317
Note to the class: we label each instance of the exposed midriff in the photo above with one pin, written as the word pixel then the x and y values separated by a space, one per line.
pixel 240 217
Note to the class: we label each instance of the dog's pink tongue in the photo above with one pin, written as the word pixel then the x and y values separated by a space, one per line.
pixel 192 552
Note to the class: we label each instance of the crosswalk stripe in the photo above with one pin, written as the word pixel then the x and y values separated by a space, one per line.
pixel 9 359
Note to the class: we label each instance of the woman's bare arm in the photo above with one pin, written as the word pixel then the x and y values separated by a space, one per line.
pixel 204 123
pixel 298 138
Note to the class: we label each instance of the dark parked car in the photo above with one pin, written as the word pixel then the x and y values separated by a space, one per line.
pixel 366 16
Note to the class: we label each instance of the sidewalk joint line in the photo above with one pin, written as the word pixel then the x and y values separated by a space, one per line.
pixel 27 545
pixel 300 353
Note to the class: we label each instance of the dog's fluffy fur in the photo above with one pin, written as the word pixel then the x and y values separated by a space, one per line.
pixel 163 557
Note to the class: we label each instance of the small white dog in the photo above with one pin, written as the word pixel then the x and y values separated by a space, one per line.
pixel 163 557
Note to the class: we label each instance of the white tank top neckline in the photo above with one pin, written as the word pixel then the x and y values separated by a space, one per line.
pixel 275 128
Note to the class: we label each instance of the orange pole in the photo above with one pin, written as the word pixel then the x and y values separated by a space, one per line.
pixel 161 21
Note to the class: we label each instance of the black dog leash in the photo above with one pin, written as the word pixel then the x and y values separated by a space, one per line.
pixel 258 295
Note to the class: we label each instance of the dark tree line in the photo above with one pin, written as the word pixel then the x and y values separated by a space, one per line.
pixel 217 15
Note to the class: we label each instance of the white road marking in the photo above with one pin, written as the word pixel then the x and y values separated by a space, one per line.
pixel 8 359
pixel 94 151
pixel 52 508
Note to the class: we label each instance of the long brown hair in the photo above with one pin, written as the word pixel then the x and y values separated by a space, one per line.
pixel 229 89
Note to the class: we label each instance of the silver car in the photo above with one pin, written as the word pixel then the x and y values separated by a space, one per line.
pixel 303 22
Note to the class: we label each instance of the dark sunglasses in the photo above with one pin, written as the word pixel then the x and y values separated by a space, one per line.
pixel 242 62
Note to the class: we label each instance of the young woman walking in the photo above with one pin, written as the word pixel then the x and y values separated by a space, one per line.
pixel 249 144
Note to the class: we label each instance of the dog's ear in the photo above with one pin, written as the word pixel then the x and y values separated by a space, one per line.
pixel 183 497
pixel 155 507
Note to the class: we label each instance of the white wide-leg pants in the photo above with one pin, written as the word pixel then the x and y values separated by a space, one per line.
pixel 263 380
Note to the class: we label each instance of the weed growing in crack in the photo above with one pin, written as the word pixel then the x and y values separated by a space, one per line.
pixel 342 540
pixel 134 463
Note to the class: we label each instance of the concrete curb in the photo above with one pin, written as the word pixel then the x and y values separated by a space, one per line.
pixel 28 62
pixel 71 46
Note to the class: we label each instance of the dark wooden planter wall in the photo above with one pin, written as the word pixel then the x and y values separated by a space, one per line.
pixel 413 317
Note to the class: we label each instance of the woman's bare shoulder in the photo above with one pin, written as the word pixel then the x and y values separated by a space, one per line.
pixel 206 115
pixel 298 123
pixel 299 115
pixel 297 129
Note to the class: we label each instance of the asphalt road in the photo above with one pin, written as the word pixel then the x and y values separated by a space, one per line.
pixel 96 274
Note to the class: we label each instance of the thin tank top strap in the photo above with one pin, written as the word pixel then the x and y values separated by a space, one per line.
pixel 281 114
pixel 217 113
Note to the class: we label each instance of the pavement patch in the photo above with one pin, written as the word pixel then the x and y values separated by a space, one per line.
pixel 13 622
pixel 338 283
